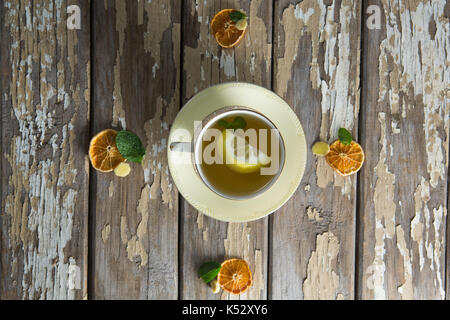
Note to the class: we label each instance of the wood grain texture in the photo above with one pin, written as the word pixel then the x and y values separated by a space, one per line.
pixel 405 134
pixel 206 64
pixel 316 70
pixel 136 79
pixel 382 235
pixel 44 168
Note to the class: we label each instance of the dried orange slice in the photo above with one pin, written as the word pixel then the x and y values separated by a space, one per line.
pixel 103 151
pixel 235 276
pixel 345 159
pixel 224 29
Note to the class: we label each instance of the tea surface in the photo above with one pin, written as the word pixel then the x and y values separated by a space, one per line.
pixel 225 178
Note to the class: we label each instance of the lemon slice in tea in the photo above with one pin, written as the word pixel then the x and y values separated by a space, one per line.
pixel 240 155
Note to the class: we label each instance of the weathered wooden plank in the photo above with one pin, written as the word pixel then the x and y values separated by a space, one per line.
pixel 45 71
pixel 447 248
pixel 316 70
pixel 205 64
pixel 405 134
pixel 136 79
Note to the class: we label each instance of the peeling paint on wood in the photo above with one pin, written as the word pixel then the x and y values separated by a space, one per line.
pixel 106 232
pixel 406 289
pixel 407 78
pixel 322 281
pixel 384 213
pixel 137 88
pixel 313 214
pixel 201 227
pixel 136 245
pixel 43 172
pixel 339 93
pixel 316 64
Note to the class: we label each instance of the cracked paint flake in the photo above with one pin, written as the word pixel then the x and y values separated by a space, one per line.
pixel 385 208
pixel 227 63
pixel 429 236
pixel 406 289
pixel 322 281
pixel 421 197
pixel 111 189
pixel 313 214
pixel 106 231
pixel 136 245
pixel 201 227
pixel 438 247
pixel 429 247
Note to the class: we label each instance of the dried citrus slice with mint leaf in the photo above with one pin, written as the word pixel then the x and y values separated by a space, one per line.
pixel 130 146
pixel 209 271
pixel 346 156
pixel 228 26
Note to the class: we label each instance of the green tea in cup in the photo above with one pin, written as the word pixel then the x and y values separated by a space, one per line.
pixel 238 153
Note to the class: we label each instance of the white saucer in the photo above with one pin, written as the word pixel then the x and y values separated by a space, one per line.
pixel 191 186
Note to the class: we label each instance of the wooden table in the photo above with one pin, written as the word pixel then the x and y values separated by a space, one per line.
pixel 380 234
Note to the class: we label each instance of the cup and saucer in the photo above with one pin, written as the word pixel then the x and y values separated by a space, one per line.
pixel 224 101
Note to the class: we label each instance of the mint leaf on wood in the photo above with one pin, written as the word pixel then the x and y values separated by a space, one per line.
pixel 130 146
pixel 345 137
pixel 209 270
